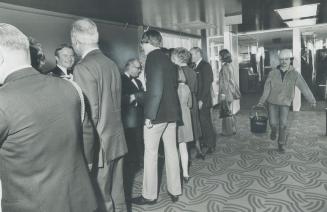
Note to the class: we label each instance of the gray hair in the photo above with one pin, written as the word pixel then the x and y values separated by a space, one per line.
pixel 198 50
pixel 13 38
pixel 85 31
pixel 130 62
pixel 286 51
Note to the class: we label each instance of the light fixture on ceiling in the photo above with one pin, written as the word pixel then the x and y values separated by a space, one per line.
pixel 303 11
pixel 195 25
pixel 301 22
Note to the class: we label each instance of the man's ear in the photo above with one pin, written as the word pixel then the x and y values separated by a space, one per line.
pixel 2 59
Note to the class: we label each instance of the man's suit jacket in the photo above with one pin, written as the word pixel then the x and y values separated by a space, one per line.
pixel 99 78
pixel 42 166
pixel 205 79
pixel 132 112
pixel 161 100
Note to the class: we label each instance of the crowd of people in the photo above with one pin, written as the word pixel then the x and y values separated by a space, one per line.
pixel 69 137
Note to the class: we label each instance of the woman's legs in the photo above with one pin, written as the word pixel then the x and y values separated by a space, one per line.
pixel 184 158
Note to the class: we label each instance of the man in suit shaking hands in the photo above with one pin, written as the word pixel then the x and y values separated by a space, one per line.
pixel 133 120
pixel 42 164
pixel 132 110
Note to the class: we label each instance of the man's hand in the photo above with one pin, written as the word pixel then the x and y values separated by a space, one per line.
pixel 260 104
pixel 200 103
pixel 132 98
pixel 313 105
pixel 148 123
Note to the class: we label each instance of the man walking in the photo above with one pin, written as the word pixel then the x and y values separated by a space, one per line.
pixel 279 93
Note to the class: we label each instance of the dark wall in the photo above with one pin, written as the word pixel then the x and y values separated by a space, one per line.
pixel 125 11
pixel 118 41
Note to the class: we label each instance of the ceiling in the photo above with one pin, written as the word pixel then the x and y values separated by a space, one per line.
pixel 260 14
pixel 166 14
pixel 269 39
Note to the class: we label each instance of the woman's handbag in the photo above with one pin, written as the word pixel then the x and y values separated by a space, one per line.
pixel 228 119
pixel 236 91
pixel 224 110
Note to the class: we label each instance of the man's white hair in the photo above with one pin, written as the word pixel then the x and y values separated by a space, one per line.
pixel 13 38
pixel 286 51
pixel 85 31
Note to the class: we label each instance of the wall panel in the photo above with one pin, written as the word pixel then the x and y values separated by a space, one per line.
pixel 118 41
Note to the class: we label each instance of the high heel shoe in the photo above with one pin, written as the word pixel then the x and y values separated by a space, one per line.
pixel 200 155
pixel 186 179
pixel 174 198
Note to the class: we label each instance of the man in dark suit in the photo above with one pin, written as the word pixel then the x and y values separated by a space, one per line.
pixel 161 108
pixel 100 80
pixel 133 121
pixel 132 110
pixel 42 163
pixel 65 60
pixel 205 78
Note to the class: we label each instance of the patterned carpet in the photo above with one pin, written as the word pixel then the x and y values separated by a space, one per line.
pixel 247 174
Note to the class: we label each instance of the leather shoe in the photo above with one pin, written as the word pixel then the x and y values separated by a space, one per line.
pixel 200 155
pixel 273 134
pixel 186 179
pixel 174 198
pixel 140 200
pixel 281 148
pixel 210 150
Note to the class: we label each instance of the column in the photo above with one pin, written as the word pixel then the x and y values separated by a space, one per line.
pixel 297 65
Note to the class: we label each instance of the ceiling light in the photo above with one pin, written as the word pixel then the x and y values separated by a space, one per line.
pixel 195 25
pixel 301 22
pixel 308 10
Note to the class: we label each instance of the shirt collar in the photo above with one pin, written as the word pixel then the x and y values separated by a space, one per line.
pixel 21 72
pixel 198 62
pixel 90 50
pixel 63 69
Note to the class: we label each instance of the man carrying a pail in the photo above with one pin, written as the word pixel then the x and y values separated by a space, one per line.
pixel 279 94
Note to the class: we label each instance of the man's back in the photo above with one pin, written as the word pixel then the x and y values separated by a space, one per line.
pixel 161 100
pixel 42 164
pixel 99 78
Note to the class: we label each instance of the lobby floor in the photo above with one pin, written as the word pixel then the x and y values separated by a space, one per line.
pixel 247 174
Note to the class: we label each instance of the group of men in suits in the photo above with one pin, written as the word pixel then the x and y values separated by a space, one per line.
pixel 53 156
pixel 64 150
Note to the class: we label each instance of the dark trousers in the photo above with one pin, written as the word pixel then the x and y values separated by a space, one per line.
pixel 135 145
pixel 134 158
pixel 208 134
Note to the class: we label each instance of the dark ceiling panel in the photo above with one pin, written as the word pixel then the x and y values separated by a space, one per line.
pixel 166 14
pixel 260 14
pixel 125 11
